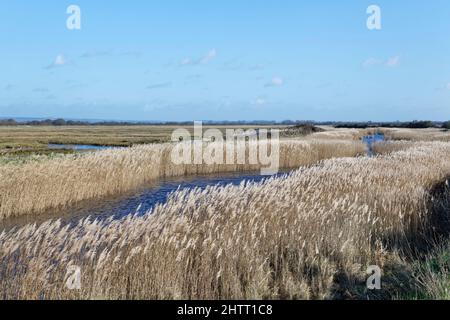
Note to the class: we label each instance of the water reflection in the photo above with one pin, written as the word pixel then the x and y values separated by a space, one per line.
pixel 135 202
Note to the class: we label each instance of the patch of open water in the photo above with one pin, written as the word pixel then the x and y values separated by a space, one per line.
pixel 140 201
pixel 370 140
pixel 78 147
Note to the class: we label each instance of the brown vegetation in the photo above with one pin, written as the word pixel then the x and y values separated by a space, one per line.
pixel 309 235
pixel 417 134
pixel 34 187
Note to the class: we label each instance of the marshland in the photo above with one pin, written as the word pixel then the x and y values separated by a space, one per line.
pixel 139 226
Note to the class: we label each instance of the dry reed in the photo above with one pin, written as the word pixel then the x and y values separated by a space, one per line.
pixel 387 147
pixel 35 187
pixel 431 134
pixel 288 237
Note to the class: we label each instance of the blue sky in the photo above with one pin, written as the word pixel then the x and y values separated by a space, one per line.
pixel 225 60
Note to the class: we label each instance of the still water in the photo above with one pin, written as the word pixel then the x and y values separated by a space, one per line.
pixel 139 201
pixel 77 147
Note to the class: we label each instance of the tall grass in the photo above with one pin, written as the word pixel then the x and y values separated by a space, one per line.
pixel 35 187
pixel 431 134
pixel 386 147
pixel 340 134
pixel 308 235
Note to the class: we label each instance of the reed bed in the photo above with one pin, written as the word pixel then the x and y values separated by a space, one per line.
pixel 339 134
pixel 431 134
pixel 433 274
pixel 35 187
pixel 386 147
pixel 308 235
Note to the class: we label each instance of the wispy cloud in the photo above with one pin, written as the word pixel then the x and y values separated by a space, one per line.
pixel 9 87
pixel 391 62
pixel 40 90
pixel 186 62
pixel 233 64
pixel 131 53
pixel 372 62
pixel 59 61
pixel 94 54
pixel 77 86
pixel 260 101
pixel 210 55
pixel 445 87
pixel 73 84
pixel 324 85
pixel 256 67
pixel 110 53
pixel 237 64
pixel 192 78
pixel 159 85
pixel 275 82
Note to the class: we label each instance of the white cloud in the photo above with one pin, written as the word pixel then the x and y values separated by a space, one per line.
pixel 210 55
pixel 371 62
pixel 390 62
pixel 50 97
pixel 41 90
pixel 59 61
pixel 110 53
pixel 443 87
pixel 259 102
pixel 393 62
pixel 93 54
pixel 256 67
pixel 159 85
pixel 275 82
pixel 186 62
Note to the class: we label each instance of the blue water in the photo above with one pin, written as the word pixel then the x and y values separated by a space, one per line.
pixel 77 147
pixel 142 201
pixel 370 140
pixel 139 202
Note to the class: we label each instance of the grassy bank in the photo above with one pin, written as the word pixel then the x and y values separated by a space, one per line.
pixel 309 235
pixel 432 275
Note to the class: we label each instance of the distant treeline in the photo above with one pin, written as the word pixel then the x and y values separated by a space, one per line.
pixel 410 125
pixel 48 122
pixel 353 125
pixel 63 122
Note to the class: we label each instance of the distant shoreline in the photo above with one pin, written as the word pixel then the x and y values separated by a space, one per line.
pixel 422 124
